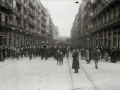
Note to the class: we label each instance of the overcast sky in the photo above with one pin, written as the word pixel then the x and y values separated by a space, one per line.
pixel 62 13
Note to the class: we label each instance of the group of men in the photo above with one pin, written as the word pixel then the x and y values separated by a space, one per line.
pixel 113 53
pixel 44 51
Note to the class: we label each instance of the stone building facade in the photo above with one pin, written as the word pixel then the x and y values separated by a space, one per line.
pixel 22 22
pixel 101 25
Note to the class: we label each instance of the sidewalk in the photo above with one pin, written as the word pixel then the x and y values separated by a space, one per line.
pixel 106 77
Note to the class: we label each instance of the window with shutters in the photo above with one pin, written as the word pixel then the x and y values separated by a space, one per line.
pixel 117 12
pixel 100 20
pixel 0 17
pixel 107 17
pixel 6 19
pixel 112 14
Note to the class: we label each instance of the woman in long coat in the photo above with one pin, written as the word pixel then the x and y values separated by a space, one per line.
pixel 1 55
pixel 114 56
pixel 106 56
pixel 87 57
pixel 75 64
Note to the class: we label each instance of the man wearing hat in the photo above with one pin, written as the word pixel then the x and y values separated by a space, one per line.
pixel 96 56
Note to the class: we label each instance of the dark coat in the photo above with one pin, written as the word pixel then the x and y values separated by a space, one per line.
pixel 1 56
pixel 4 52
pixel 96 54
pixel 114 56
pixel 75 64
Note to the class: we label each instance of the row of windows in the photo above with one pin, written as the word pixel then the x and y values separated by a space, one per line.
pixel 105 18
pixel 19 23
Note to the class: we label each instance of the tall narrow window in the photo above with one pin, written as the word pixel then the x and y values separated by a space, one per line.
pixel 112 14
pixel 117 12
pixel 0 17
pixel 6 20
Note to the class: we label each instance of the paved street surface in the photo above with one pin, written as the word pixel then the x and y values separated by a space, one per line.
pixel 40 74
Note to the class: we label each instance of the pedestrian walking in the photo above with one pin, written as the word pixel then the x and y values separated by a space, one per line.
pixel 1 55
pixel 82 53
pixel 67 54
pixel 96 56
pixel 57 56
pixel 118 54
pixel 30 52
pixel 87 57
pixel 106 56
pixel 114 55
pixel 4 52
pixel 75 63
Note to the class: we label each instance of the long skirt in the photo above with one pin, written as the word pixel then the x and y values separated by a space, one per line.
pixel 106 56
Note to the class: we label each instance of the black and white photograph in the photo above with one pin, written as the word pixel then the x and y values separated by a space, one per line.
pixel 59 44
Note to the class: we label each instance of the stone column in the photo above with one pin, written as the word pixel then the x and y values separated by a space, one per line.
pixel 12 39
pixel 97 39
pixel 103 37
pixel 112 37
pixel 117 36
pixel 107 37
pixel 8 39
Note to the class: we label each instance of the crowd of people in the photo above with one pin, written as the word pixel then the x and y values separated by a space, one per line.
pixel 58 52
pixel 108 53
pixel 43 51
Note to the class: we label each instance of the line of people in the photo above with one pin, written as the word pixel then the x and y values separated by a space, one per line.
pixel 43 51
pixel 108 53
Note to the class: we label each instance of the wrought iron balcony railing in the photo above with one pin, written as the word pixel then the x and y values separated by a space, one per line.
pixel 101 9
pixel 5 4
pixel 32 4
pixel 107 24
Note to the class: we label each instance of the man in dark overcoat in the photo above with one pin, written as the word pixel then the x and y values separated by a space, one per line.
pixel 4 52
pixel 114 55
pixel 1 55
pixel 30 52
pixel 96 56
pixel 75 64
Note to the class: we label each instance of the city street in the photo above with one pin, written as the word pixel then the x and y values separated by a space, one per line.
pixel 40 74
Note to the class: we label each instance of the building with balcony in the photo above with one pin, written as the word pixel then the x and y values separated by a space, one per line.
pixel 22 22
pixel 74 30
pixel 56 33
pixel 100 24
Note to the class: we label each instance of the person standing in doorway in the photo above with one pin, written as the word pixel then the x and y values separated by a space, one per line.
pixel 75 64
pixel 96 56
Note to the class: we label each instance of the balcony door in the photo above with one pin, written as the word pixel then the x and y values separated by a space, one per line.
pixel 3 40
pixel 115 40
pixel 119 39
pixel 0 40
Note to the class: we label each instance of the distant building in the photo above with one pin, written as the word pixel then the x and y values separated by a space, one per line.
pixel 56 33
pixel 74 30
